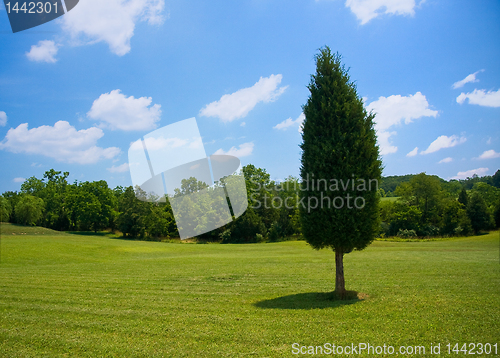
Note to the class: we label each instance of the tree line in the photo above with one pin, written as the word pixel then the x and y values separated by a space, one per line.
pixel 425 206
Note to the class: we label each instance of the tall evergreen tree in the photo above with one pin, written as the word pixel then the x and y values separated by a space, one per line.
pixel 339 143
pixel 463 198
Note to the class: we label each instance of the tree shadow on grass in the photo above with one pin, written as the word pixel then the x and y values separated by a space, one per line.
pixel 311 300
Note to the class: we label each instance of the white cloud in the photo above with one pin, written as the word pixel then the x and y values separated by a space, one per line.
pixel 45 51
pixel 481 98
pixel 3 119
pixel 117 111
pixel 291 122
pixel 446 160
pixel 470 173
pixel 393 110
pixel 61 142
pixel 111 21
pixel 243 124
pixel 240 103
pixel 385 144
pixel 413 152
pixel 489 154
pixel 444 142
pixel 244 150
pixel 469 79
pixel 119 169
pixel 19 180
pixel 365 10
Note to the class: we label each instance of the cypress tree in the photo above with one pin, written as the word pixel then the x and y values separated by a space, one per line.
pixel 463 198
pixel 340 149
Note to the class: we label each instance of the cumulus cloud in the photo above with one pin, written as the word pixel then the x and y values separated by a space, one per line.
pixel 117 111
pixel 489 154
pixel 291 123
pixel 444 142
pixel 111 21
pixel 385 144
pixel 19 180
pixel 45 51
pixel 469 79
pixel 3 119
pixel 240 103
pixel 481 98
pixel 446 160
pixel 366 10
pixel 61 142
pixel 470 173
pixel 244 150
pixel 393 110
pixel 119 169
pixel 413 152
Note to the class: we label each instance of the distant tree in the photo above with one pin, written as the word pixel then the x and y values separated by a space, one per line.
pixel 103 214
pixel 339 142
pixel 32 186
pixel 159 221
pixel 286 194
pixel 5 209
pixel 390 183
pixel 478 213
pixel 496 179
pixel 406 192
pixel 405 217
pixel 455 219
pixel 13 198
pixel 29 210
pixel 189 186
pixel 83 207
pixel 427 191
pixel 51 189
pixel 463 198
pixel 489 193
pixel 261 193
pixel 246 227
pixel 452 188
pixel 133 212
pixel 497 214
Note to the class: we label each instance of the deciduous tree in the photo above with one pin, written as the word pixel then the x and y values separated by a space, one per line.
pixel 29 210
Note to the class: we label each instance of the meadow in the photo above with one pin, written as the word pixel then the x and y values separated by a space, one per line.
pixel 68 295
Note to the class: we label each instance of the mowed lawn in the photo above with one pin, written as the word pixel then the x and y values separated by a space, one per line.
pixel 67 295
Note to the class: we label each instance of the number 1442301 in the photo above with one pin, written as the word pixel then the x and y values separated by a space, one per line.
pixel 32 7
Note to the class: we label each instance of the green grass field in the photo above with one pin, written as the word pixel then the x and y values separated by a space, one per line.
pixel 65 295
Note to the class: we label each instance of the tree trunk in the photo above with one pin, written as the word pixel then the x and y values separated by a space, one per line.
pixel 339 274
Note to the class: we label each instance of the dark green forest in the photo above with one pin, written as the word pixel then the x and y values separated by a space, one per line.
pixel 417 205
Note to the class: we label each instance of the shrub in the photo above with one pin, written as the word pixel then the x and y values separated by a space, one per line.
pixel 406 234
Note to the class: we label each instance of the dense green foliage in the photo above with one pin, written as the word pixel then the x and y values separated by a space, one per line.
pixel 339 145
pixel 273 213
pixel 87 296
pixel 5 209
pixel 432 207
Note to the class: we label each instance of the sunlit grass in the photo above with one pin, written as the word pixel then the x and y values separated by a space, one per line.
pixel 73 295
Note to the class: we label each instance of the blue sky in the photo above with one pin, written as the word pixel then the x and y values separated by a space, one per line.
pixel 77 91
